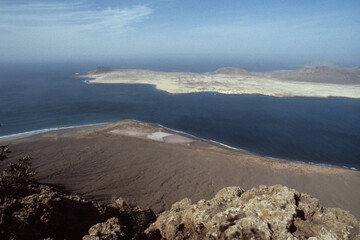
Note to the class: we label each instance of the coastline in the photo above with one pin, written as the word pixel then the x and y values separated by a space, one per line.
pixel 220 144
pixel 131 159
pixel 18 136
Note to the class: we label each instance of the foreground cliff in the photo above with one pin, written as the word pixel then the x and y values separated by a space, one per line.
pixel 274 212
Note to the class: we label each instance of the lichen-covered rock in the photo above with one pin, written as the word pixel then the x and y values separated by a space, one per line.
pixel 274 212
pixel 109 230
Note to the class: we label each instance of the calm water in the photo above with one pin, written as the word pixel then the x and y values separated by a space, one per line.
pixel 323 131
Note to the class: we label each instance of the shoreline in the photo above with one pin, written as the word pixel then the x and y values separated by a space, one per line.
pixel 254 153
pixel 15 136
pixel 154 167
pixel 18 136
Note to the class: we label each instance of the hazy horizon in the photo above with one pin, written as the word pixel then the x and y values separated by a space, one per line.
pixel 112 30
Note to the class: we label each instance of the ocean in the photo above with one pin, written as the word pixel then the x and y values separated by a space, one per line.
pixel 38 96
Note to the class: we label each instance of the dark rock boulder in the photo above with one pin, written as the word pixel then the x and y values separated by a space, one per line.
pixel 47 212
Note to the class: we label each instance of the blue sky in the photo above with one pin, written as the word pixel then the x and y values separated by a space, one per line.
pixel 323 30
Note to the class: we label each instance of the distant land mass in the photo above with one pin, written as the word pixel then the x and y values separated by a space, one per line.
pixel 319 74
pixel 315 80
pixel 231 70
pixel 99 70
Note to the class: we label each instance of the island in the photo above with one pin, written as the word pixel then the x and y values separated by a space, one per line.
pixel 308 81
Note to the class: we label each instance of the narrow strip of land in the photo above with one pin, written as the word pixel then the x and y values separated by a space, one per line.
pixel 316 83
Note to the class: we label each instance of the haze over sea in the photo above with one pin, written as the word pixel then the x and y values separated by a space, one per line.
pixel 36 96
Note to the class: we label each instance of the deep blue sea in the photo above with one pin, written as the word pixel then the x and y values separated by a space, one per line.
pixel 35 96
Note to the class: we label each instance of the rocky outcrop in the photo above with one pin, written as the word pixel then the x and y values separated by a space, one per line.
pixel 111 229
pixel 46 212
pixel 274 212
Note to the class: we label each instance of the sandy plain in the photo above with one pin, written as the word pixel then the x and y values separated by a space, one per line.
pixel 155 167
pixel 243 83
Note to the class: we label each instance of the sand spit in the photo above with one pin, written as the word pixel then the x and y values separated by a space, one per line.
pixel 106 161
pixel 226 82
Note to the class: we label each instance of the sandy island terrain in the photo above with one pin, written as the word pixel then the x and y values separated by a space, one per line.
pixel 155 167
pixel 307 81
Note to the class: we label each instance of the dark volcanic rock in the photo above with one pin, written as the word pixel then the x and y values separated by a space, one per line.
pixel 99 70
pixel 46 212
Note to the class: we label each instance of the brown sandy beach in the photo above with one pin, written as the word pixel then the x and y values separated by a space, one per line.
pixel 155 167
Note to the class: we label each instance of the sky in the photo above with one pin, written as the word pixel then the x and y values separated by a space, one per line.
pixel 110 29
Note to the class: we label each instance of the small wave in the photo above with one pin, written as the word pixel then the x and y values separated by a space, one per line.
pixel 227 146
pixel 283 70
pixel 47 130
pixel 312 163
pixel 203 139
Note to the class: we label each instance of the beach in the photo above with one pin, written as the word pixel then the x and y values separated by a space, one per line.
pixel 154 167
